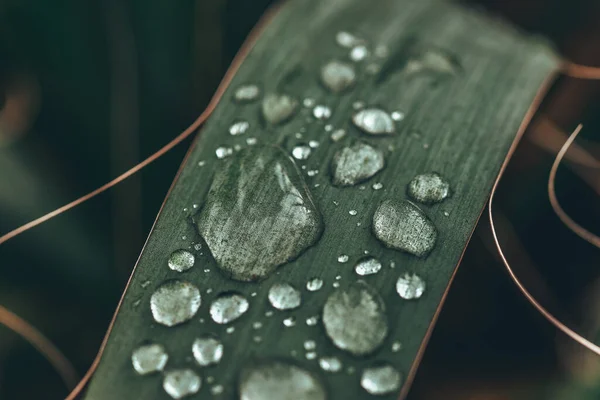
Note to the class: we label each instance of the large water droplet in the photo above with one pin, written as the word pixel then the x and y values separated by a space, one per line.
pixel 301 152
pixel 228 307
pixel 180 383
pixel 278 108
pixel 429 188
pixel 239 128
pixel 367 266
pixel 338 76
pixel 246 93
pixel 181 260
pixel 381 379
pixel 355 164
pixel 410 286
pixel 314 284
pixel 355 319
pixel 403 226
pixel 207 351
pixel 330 364
pixel 149 358
pixel 175 302
pixel 284 296
pixel 279 380
pixel 258 214
pixel 374 121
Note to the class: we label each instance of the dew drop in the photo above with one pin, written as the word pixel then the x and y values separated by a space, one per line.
pixel 217 390
pixel 367 266
pixel 429 188
pixel 239 128
pixel 310 345
pixel 355 319
pixel 353 212
pixel 223 152
pixel 179 383
pixel 330 364
pixel 301 152
pixel 432 60
pixel 338 76
pixel 346 39
pixel 271 379
pixel 397 116
pixel 207 351
pixel 201 163
pixel 446 214
pixel 257 339
pixel 357 105
pixel 312 321
pixel 181 260
pixel 357 163
pixel 314 284
pixel 230 329
pixel 359 53
pixel 321 112
pixel 380 380
pixel 149 358
pixel 257 325
pixel 313 144
pixel 269 313
pixel 410 286
pixel 175 302
pixel 336 285
pixel 210 379
pixel 377 186
pixel 251 141
pixel 278 108
pixel 343 258
pixel 374 121
pixel 338 135
pixel 284 296
pixel 197 247
pixel 401 225
pixel 289 322
pixel 228 307
pixel 312 172
pixel 396 347
pixel 308 102
pixel 328 128
pixel 246 93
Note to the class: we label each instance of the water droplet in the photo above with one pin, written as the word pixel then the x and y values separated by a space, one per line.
pixel 257 325
pixel 301 152
pixel 278 108
pixel 181 260
pixel 207 351
pixel 429 188
pixel 310 345
pixel 357 105
pixel 432 60
pixel 312 321
pixel 355 164
pixel 336 285
pixel 149 358
pixel 359 53
pixel 338 135
pixel 217 390
pixel 180 383
pixel 270 379
pixel 312 172
pixel 175 302
pixel 397 115
pixel 328 128
pixel 228 307
pixel 446 213
pixel 374 121
pixel 322 112
pixel 257 339
pixel 381 51
pixel 330 364
pixel 210 379
pixel 284 296
pixel 314 284
pixel 346 39
pixel 261 191
pixel 197 247
pixel 239 128
pixel 311 355
pixel 251 141
pixel 367 266
pixel 338 277
pixel 353 212
pixel 355 319
pixel 338 76
pixel 253 294
pixel 246 93
pixel 223 152
pixel 201 163
pixel 313 144
pixel 396 347
pixel 382 379
pixel 392 264
pixel 378 186
pixel 401 225
pixel 350 370
pixel 269 313
pixel 230 329
pixel 410 286
pixel 342 258
pixel 289 322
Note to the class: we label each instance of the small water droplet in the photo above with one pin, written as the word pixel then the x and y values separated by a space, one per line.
pixel 284 296
pixel 335 203
pixel 446 213
pixel 396 347
pixel 355 164
pixel 239 128
pixel 310 345
pixel 403 226
pixel 201 163
pixel 330 364
pixel 429 188
pixel 381 51
pixel 338 135
pixel 342 258
pixel 308 102
pixel 197 247
pixel 328 128
pixel 207 351
pixel 313 144
pixel 230 329
pixel 410 286
pixel 223 152
pixel 209 291
pixel 374 121
pixel 206 270
pixel 381 379
pixel 346 39
pixel 336 285
pixel 217 390
pixel 425 146
pixel 257 339
pixel 251 141
pixel 358 224
pixel 367 266
pixel 392 264
pixel 359 53
pixel 397 115
pixel 257 325
pixel 377 186
pixel 312 321
pixel 289 322
pixel 179 383
pixel 269 313
pixel 149 358
pixel 201 320
pixel 321 112
pixel 228 307
pixel 181 260
pixel 311 355
pixel 185 209
pixel 278 108
pixel 357 105
pixel 314 284
pixel 246 93
pixel 175 302
pixel 338 76
pixel 338 277
pixel 298 135
pixel 301 152
pixel 281 380
pixel 353 212
pixel 210 379
pixel 312 172
pixel 355 319
pixel 432 60
pixel 350 370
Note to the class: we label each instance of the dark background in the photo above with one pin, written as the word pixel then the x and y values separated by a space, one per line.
pixel 89 88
